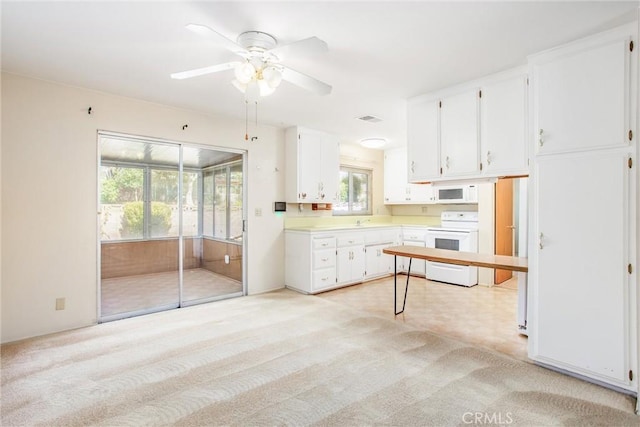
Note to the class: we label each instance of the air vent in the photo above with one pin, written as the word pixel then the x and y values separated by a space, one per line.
pixel 370 119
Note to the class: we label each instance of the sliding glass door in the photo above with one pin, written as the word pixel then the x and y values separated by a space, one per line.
pixel 171 225
pixel 213 258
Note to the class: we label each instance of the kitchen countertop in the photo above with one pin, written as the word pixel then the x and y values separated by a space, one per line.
pixel 366 226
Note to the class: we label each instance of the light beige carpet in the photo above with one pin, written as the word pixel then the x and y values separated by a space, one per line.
pixel 284 359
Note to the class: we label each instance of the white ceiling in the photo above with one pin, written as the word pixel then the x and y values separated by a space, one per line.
pixel 380 53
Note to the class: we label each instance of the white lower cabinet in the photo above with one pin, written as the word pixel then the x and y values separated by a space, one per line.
pixel 413 236
pixel 377 263
pixel 310 260
pixel 318 261
pixel 350 264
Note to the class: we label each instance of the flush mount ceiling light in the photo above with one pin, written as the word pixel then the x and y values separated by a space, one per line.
pixel 373 142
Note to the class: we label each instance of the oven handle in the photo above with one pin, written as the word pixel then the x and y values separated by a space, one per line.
pixel 448 231
pixel 445 266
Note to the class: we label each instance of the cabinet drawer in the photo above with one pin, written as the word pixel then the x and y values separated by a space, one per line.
pixel 324 242
pixel 350 240
pixel 410 234
pixel 381 236
pixel 324 259
pixel 324 278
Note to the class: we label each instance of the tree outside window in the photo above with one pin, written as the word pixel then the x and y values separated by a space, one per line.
pixel 354 192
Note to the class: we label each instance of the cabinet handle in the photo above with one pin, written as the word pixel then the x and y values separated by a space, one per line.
pixel 541 241
pixel 325 244
pixel 324 279
pixel 304 195
pixel 488 157
pixel 325 259
pixel 447 162
pixel 413 166
pixel 541 139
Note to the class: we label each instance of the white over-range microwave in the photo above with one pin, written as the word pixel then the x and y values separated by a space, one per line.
pixel 456 194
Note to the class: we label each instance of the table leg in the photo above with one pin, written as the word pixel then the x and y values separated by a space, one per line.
pixel 395 276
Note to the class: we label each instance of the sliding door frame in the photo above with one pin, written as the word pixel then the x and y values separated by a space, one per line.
pixel 180 145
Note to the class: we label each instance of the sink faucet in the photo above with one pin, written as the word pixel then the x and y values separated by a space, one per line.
pixel 362 221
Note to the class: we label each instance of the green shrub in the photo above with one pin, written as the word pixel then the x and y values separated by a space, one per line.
pixel 133 219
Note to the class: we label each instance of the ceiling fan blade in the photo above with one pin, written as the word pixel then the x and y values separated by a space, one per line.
pixel 309 46
pixel 205 70
pixel 305 82
pixel 211 34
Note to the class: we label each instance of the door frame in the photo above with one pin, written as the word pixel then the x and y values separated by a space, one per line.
pixel 100 133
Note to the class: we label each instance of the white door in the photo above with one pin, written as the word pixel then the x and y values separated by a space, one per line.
pixel 581 98
pixel 503 107
pixel 581 285
pixel 459 134
pixel 422 141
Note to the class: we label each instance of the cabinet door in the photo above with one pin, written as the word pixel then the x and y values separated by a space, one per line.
pixel 309 166
pixel 350 264
pixel 418 266
pixel 581 98
pixel 422 141
pixel 330 169
pixel 343 264
pixel 358 263
pixel 503 108
pixel 385 261
pixel 421 193
pixel 581 289
pixel 395 176
pixel 371 261
pixel 459 134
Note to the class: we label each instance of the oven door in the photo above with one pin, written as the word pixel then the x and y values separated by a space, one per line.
pixel 453 240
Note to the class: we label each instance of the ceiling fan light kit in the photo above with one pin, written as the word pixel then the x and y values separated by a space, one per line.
pixel 261 71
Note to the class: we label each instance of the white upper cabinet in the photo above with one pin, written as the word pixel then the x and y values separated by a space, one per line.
pixel 422 140
pixel 459 134
pixel 397 189
pixel 581 100
pixel 503 127
pixel 474 130
pixel 312 166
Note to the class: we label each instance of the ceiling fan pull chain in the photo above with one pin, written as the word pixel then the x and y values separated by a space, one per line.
pixel 246 120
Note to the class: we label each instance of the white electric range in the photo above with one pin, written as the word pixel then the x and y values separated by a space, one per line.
pixel 458 232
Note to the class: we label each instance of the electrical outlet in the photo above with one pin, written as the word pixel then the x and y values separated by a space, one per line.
pixel 425 209
pixel 258 211
pixel 60 303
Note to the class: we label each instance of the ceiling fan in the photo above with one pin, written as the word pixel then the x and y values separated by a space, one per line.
pixel 260 71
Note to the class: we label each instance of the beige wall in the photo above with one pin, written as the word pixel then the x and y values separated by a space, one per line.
pixel 49 195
